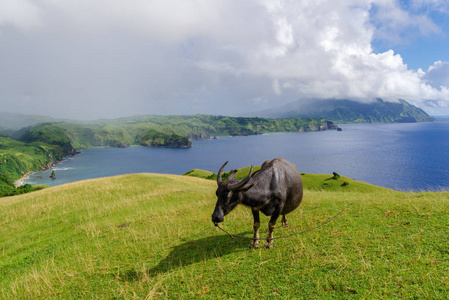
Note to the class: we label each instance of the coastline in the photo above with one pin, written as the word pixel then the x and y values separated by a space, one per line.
pixel 19 182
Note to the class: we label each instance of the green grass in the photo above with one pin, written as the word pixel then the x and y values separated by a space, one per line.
pixel 200 173
pixel 149 236
pixel 319 182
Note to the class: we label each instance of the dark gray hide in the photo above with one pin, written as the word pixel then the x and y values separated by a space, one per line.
pixel 275 190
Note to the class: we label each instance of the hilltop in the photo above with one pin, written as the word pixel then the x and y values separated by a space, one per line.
pixel 347 111
pixel 151 236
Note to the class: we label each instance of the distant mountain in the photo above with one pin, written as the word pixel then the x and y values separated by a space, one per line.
pixel 347 111
pixel 14 121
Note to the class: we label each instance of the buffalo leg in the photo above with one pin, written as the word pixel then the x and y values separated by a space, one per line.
pixel 284 221
pixel 255 241
pixel 271 225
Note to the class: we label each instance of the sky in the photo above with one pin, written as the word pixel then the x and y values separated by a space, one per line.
pixel 84 59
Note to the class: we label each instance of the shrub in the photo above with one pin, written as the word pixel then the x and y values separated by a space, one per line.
pixel 336 175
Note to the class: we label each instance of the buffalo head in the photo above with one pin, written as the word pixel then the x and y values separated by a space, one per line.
pixel 229 193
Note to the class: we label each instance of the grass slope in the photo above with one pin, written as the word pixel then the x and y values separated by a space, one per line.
pixel 150 236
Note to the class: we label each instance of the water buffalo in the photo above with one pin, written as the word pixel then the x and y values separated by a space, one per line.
pixel 276 189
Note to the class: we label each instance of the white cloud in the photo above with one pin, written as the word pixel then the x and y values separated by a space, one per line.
pixel 22 14
pixel 211 56
pixel 437 75
pixel 332 58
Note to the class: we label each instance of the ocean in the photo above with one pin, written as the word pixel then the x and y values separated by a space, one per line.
pixel 406 156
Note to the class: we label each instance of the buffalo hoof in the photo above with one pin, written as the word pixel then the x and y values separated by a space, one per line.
pixel 269 245
pixel 254 244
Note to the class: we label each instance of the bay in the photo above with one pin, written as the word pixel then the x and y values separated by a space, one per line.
pixel 408 156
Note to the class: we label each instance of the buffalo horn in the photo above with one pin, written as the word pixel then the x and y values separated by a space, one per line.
pixel 220 173
pixel 241 183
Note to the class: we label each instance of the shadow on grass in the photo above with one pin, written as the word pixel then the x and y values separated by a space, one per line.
pixel 192 252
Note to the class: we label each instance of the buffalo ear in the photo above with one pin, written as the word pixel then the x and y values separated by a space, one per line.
pixel 241 183
pixel 232 175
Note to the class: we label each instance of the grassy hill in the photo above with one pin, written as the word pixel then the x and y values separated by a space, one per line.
pixel 151 236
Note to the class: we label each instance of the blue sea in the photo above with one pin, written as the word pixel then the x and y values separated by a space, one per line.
pixel 412 156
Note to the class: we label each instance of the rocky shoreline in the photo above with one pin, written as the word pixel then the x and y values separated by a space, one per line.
pixel 19 182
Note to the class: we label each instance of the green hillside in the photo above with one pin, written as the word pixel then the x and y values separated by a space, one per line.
pixel 18 158
pixel 206 126
pixel 50 134
pixel 167 131
pixel 148 236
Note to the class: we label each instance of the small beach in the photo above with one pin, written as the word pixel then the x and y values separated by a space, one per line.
pixel 20 181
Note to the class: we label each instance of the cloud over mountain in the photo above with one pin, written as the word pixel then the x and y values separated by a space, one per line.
pixel 89 59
